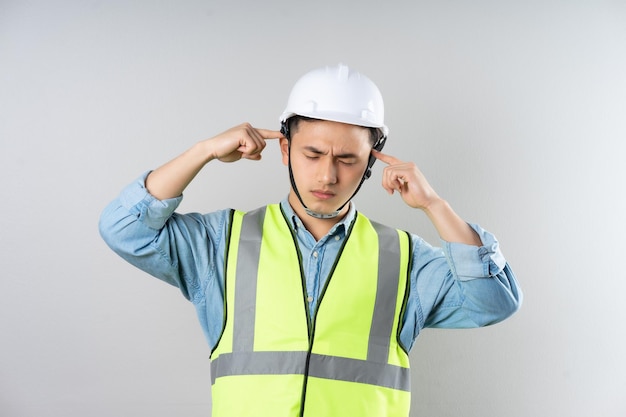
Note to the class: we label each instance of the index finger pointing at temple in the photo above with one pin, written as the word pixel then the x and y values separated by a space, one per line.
pixel 269 134
pixel 388 159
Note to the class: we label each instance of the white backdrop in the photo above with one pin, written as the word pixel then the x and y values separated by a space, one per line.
pixel 515 111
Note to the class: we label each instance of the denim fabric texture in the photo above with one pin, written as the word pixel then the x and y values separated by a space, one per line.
pixel 452 286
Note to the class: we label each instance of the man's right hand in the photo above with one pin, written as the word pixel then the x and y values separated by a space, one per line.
pixel 243 141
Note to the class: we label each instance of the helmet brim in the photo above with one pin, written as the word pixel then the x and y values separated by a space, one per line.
pixel 336 117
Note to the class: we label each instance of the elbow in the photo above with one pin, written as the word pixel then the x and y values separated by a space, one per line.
pixel 501 309
pixel 496 305
pixel 510 308
pixel 517 299
pixel 515 296
pixel 510 296
pixel 106 227
pixel 115 228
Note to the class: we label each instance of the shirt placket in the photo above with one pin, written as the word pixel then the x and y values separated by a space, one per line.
pixel 313 275
pixel 313 252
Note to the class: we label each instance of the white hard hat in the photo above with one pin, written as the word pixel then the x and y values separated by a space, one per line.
pixel 338 94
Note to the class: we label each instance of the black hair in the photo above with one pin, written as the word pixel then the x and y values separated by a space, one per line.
pixel 293 122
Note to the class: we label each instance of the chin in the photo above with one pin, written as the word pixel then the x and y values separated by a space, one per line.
pixel 325 208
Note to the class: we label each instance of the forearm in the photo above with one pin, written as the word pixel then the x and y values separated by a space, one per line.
pixel 449 225
pixel 171 179
pixel 243 141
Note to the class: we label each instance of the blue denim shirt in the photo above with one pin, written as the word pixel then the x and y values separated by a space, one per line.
pixel 455 286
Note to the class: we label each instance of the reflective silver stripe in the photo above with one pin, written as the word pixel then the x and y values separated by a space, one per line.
pixel 355 370
pixel 386 293
pixel 321 366
pixel 258 363
pixel 245 289
pixel 374 371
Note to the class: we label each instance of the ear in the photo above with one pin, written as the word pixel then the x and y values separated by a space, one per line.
pixel 284 150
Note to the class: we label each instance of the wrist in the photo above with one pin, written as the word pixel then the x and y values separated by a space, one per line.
pixel 449 225
pixel 205 150
pixel 435 206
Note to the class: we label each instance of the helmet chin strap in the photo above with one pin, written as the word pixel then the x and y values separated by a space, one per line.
pixel 308 211
pixel 368 172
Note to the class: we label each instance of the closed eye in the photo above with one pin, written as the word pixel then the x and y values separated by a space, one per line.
pixel 312 153
pixel 347 161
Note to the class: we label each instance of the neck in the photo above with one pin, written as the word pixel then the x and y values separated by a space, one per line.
pixel 317 227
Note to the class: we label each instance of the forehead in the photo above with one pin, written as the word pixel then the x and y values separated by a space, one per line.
pixel 324 133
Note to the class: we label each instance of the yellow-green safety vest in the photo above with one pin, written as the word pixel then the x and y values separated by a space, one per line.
pixel 272 360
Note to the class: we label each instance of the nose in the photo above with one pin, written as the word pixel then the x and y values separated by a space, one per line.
pixel 327 173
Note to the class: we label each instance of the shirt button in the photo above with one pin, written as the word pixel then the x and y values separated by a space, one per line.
pixel 337 237
pixel 309 299
pixel 315 254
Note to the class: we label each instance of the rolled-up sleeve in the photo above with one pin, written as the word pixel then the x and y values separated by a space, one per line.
pixel 469 262
pixel 179 249
pixel 149 210
pixel 459 286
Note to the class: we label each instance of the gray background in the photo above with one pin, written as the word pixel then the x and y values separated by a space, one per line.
pixel 515 111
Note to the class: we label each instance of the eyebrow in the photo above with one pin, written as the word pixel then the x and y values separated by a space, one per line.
pixel 339 156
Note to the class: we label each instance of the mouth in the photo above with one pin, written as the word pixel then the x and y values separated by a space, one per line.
pixel 323 194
